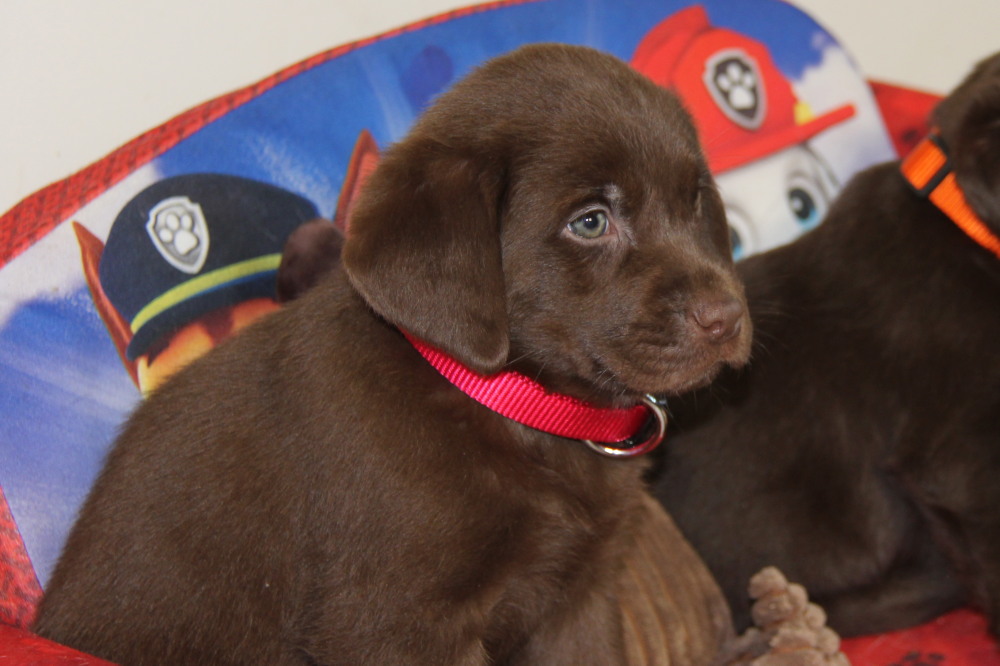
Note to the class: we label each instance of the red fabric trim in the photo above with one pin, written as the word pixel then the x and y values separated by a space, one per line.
pixel 959 638
pixel 39 213
pixel 21 647
pixel 19 588
pixel 524 400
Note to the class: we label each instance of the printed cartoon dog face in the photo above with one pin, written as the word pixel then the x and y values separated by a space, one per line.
pixel 804 187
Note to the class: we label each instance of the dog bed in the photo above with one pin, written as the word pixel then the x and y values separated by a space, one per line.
pixel 95 293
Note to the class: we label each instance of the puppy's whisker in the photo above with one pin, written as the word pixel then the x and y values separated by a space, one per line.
pixel 526 355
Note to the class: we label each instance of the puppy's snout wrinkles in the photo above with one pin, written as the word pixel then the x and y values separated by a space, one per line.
pixel 718 321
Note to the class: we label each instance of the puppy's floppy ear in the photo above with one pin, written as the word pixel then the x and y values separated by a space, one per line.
pixel 424 249
pixel 969 120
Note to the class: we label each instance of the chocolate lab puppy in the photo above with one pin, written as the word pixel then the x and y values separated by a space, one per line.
pixel 314 491
pixel 859 450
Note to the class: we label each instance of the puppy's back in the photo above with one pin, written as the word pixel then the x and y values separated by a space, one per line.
pixel 191 543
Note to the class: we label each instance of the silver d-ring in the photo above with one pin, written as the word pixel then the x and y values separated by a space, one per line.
pixel 629 448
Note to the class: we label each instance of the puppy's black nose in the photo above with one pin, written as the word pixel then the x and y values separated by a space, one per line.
pixel 718 321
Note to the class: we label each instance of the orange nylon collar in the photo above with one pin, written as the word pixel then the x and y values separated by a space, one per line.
pixel 928 170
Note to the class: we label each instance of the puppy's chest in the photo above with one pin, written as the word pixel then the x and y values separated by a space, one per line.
pixel 571 517
pixel 566 543
pixel 566 488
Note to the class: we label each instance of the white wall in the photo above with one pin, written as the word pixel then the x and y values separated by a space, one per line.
pixel 78 78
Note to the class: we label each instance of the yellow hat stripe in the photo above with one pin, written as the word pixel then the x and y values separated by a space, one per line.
pixel 203 283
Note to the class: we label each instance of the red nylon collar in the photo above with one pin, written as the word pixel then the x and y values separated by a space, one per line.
pixel 928 170
pixel 524 400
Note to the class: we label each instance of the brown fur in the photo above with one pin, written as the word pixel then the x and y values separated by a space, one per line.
pixel 313 492
pixel 311 251
pixel 860 450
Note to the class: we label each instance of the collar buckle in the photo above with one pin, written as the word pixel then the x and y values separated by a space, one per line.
pixel 927 165
pixel 653 430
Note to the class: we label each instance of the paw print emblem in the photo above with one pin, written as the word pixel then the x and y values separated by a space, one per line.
pixel 733 79
pixel 179 233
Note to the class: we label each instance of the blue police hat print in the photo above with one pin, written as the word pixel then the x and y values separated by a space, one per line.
pixel 190 244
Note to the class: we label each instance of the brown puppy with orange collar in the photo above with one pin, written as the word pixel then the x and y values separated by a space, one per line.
pixel 860 449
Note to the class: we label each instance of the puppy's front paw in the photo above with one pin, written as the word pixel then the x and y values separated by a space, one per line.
pixel 789 631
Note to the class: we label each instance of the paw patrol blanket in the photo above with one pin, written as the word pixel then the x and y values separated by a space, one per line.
pixel 116 276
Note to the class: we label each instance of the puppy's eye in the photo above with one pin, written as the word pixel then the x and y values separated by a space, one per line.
pixel 592 224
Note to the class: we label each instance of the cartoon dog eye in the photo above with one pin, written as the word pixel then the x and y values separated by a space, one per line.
pixel 742 240
pixel 807 202
pixel 736 243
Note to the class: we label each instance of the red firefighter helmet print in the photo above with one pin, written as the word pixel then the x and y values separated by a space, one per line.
pixel 743 105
